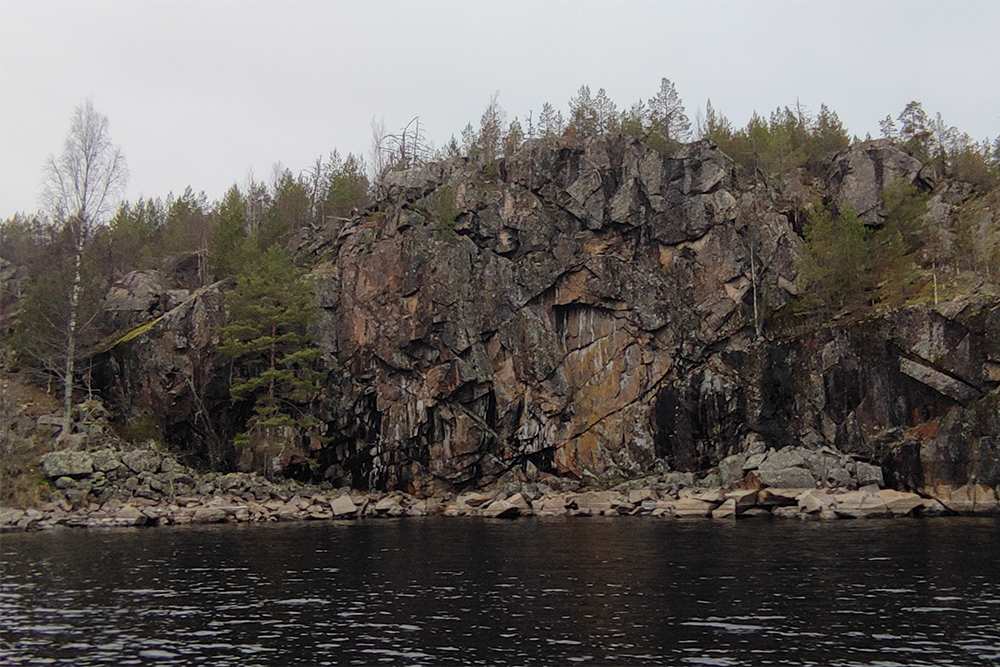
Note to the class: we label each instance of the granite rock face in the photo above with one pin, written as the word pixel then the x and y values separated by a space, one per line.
pixel 542 329
pixel 167 367
pixel 595 311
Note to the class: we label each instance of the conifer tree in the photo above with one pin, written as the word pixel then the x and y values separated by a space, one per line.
pixel 583 114
pixel 666 113
pixel 836 265
pixel 274 359
pixel 550 122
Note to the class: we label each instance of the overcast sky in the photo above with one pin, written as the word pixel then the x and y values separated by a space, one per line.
pixel 200 93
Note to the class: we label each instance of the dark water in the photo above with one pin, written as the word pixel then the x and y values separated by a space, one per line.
pixel 562 591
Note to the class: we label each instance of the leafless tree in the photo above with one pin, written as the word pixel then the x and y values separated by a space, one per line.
pixel 82 186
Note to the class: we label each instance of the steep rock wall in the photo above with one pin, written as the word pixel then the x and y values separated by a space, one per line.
pixel 594 310
pixel 539 332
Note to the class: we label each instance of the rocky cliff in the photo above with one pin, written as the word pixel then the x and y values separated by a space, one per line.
pixel 597 311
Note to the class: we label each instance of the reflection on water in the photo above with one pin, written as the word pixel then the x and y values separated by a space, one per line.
pixel 539 591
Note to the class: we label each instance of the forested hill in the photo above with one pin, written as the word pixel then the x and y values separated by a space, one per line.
pixel 590 296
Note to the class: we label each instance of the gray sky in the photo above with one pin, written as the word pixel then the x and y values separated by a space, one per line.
pixel 199 93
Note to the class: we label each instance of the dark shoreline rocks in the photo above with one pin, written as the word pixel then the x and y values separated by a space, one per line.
pixel 112 487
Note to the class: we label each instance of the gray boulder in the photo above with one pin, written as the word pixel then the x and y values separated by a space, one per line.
pixel 787 457
pixel 787 478
pixel 868 474
pixel 49 426
pixel 142 460
pixel 731 469
pixel 67 463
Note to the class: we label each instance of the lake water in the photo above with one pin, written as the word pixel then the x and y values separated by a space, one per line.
pixel 618 591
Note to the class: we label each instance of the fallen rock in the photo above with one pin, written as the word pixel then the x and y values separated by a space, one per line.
pixel 789 478
pixel 501 509
pixel 731 469
pixel 595 502
pixel 744 499
pixel 692 508
pixel 209 515
pixel 343 507
pixel 389 505
pixel 753 462
pixel 967 499
pixel 549 506
pixel 868 474
pixel 128 515
pixel 900 503
pixel 726 510
pixel 778 497
pixel 637 496
pixel 518 501
pixel 786 457
pixel 66 463
pixel 815 501
pixel 49 426
pixel 861 504
pixel 714 496
pixel 473 499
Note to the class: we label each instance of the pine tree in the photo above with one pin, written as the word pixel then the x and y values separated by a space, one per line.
pixel 836 263
pixel 229 237
pixel 267 336
pixel 550 122
pixel 583 114
pixel 666 114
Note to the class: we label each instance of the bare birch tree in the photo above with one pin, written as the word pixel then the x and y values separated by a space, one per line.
pixel 82 186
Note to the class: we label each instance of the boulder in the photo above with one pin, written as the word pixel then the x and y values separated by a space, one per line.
pixel 501 509
pixel 690 508
pixel 785 458
pixel 343 507
pixel 106 460
pixel 789 478
pixel 868 474
pixel 731 469
pixel 66 463
pixel 637 496
pixel 49 426
pixel 861 504
pixel 595 502
pixel 518 501
pixel 142 460
pixel 900 503
pixel 129 515
pixel 209 515
pixel 387 505
pixel 9 516
pixel 549 506
pixel 744 499
pixel 815 501
pixel 776 497
pixel 967 499
pixel 753 462
pixel 473 499
pixel 714 496
pixel 726 510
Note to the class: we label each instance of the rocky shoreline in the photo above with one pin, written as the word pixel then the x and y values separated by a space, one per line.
pixel 145 487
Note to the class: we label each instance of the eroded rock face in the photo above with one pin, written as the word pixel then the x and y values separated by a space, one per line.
pixel 860 173
pixel 542 331
pixel 168 369
pixel 592 311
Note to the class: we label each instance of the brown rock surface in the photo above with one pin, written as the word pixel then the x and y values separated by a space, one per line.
pixel 588 313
